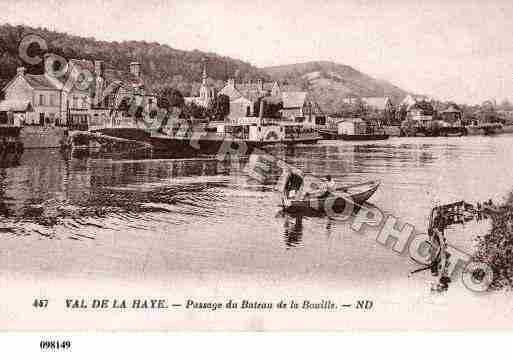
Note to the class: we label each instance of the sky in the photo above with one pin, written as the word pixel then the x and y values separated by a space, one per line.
pixel 457 50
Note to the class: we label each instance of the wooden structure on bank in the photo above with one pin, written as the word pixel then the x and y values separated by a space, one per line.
pixel 442 217
pixel 10 139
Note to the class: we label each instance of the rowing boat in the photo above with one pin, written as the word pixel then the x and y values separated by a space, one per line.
pixel 357 194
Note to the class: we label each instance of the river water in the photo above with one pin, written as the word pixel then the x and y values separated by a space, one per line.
pixel 199 226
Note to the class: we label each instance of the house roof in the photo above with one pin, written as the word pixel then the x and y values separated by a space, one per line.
pixel 379 103
pixel 83 64
pixel 15 106
pixel 273 99
pixel 40 82
pixel 242 100
pixel 231 92
pixel 268 86
pixel 126 78
pixel 290 88
pixel 75 68
pixel 293 99
pixel 251 91
pixel 452 109
pixel 410 100
pixel 425 106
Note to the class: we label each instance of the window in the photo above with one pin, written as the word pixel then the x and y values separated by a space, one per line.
pixel 75 102
pixel 53 101
pixel 41 100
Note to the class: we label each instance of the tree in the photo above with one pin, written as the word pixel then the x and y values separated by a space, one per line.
pixel 402 114
pixel 220 107
pixel 389 116
pixel 302 83
pixel 169 97
pixel 488 106
pixel 195 111
pixel 272 107
pixel 219 84
pixel 359 108
pixel 506 105
pixel 356 108
pixel 246 78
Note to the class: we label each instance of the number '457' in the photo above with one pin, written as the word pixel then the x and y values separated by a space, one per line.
pixel 40 303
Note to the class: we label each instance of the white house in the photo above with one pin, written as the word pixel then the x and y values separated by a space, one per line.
pixel 35 99
pixel 421 112
pixel 351 126
pixel 243 97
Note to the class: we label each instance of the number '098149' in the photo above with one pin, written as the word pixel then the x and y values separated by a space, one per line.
pixel 55 345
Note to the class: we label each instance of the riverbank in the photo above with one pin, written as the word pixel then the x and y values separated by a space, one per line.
pixel 496 247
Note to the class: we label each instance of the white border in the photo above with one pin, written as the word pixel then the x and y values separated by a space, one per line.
pixel 411 345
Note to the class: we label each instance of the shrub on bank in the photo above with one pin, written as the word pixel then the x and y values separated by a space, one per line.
pixel 496 247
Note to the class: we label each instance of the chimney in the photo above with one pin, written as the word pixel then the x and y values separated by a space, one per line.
pixel 21 71
pixel 262 107
pixel 49 64
pixel 98 68
pixel 135 69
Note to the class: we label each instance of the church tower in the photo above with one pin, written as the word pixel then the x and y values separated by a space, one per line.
pixel 206 91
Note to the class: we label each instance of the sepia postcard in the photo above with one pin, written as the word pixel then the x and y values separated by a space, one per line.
pixel 255 165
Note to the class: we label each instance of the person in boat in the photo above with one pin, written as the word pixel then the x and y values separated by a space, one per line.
pixel 293 185
pixel 330 184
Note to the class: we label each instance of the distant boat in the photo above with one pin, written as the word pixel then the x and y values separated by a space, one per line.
pixel 354 129
pixel 485 128
pixel 333 135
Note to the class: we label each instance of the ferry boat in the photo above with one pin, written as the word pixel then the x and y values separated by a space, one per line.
pixel 246 132
pixel 197 137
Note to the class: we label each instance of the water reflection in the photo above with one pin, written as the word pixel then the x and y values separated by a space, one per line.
pixel 292 229
pixel 9 159
pixel 52 189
